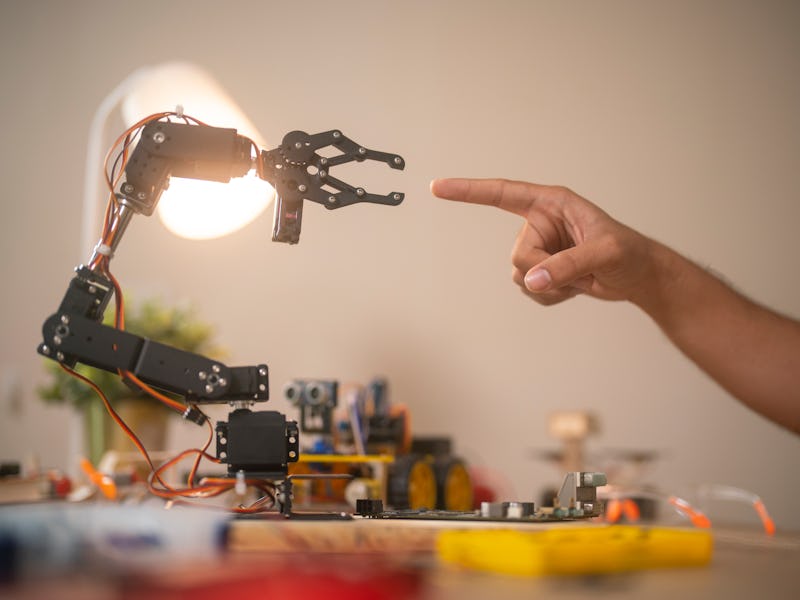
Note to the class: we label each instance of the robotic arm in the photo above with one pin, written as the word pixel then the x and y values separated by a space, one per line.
pixel 295 169
pixel 258 443
pixel 298 172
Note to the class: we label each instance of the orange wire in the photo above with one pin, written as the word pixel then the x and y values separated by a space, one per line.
pixel 697 518
pixel 125 135
pixel 613 511
pixel 193 472
pixel 119 301
pixel 209 487
pixel 766 520
pixel 174 404
pixel 168 491
pixel 110 409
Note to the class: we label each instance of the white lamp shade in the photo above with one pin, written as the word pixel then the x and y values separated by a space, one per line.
pixel 193 208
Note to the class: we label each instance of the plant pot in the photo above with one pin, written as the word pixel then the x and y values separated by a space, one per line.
pixel 145 417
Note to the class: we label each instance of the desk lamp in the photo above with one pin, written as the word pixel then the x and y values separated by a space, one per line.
pixel 189 208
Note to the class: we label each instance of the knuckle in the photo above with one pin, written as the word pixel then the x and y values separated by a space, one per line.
pixel 613 248
pixel 519 261
pixel 562 192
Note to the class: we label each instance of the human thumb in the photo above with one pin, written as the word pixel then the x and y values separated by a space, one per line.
pixel 571 267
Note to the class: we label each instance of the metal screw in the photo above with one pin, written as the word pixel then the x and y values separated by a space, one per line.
pixel 298 145
pixel 57 340
pixel 215 368
pixel 262 387
pixel 60 356
pixel 292 454
pixel 65 319
pixel 223 382
pixel 292 440
pixel 141 195
pixel 262 371
pixel 159 137
pixel 396 196
pixel 209 389
pixel 302 187
pixel 201 375
pixel 92 289
pixel 397 160
pixel 362 150
pixel 46 350
pixel 323 174
pixel 332 199
pixel 360 192
pixel 337 134
pixel 323 161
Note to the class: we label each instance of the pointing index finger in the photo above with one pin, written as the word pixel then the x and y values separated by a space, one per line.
pixel 513 196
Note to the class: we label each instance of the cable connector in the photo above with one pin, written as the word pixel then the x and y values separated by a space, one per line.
pixel 194 414
pixel 103 249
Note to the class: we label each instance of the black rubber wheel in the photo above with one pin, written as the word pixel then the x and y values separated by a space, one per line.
pixel 411 484
pixel 453 484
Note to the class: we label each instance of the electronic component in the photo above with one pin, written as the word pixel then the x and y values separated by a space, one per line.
pixel 259 443
pixel 575 485
pixel 316 400
pixel 579 492
pixel 373 446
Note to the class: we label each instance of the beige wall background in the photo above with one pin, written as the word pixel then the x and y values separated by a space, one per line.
pixel 681 119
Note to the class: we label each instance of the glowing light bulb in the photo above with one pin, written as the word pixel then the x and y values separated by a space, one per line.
pixel 193 208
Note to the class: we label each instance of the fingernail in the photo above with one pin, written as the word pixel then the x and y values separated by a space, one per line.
pixel 537 280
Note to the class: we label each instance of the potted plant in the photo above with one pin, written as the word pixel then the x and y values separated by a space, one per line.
pixel 172 325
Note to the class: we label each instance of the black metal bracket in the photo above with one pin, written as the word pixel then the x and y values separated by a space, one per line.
pixel 299 172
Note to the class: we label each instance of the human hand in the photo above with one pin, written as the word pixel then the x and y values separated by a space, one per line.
pixel 567 245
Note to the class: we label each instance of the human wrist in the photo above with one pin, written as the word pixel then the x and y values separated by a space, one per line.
pixel 663 270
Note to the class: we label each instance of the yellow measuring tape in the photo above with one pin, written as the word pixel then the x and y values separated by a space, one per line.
pixel 580 550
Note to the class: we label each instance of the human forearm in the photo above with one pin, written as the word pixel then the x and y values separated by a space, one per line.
pixel 751 351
